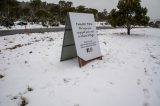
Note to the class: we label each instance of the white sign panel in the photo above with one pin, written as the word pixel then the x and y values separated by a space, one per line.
pixel 85 35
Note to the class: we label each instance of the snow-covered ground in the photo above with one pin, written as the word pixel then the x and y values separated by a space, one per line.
pixel 31 73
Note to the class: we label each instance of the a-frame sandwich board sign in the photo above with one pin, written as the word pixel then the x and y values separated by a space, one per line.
pixel 80 38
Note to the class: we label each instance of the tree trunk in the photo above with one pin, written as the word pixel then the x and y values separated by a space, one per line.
pixel 128 30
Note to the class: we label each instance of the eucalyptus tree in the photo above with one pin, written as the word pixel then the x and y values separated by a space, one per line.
pixel 129 14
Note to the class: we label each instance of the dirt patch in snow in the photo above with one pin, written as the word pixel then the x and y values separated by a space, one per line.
pixel 24 101
pixel 1 76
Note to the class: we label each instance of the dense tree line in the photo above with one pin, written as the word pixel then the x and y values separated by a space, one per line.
pixel 155 24
pixel 38 11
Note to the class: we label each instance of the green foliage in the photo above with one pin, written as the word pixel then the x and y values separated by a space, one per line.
pixel 35 4
pixel 62 4
pixel 26 11
pixel 15 12
pixel 54 10
pixel 155 25
pixel 6 7
pixel 129 14
pixel 41 14
pixel 101 16
pixel 80 8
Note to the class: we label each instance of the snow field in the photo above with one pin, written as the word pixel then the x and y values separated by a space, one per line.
pixel 128 75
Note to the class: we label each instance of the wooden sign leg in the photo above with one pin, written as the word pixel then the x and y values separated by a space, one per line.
pixel 83 62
